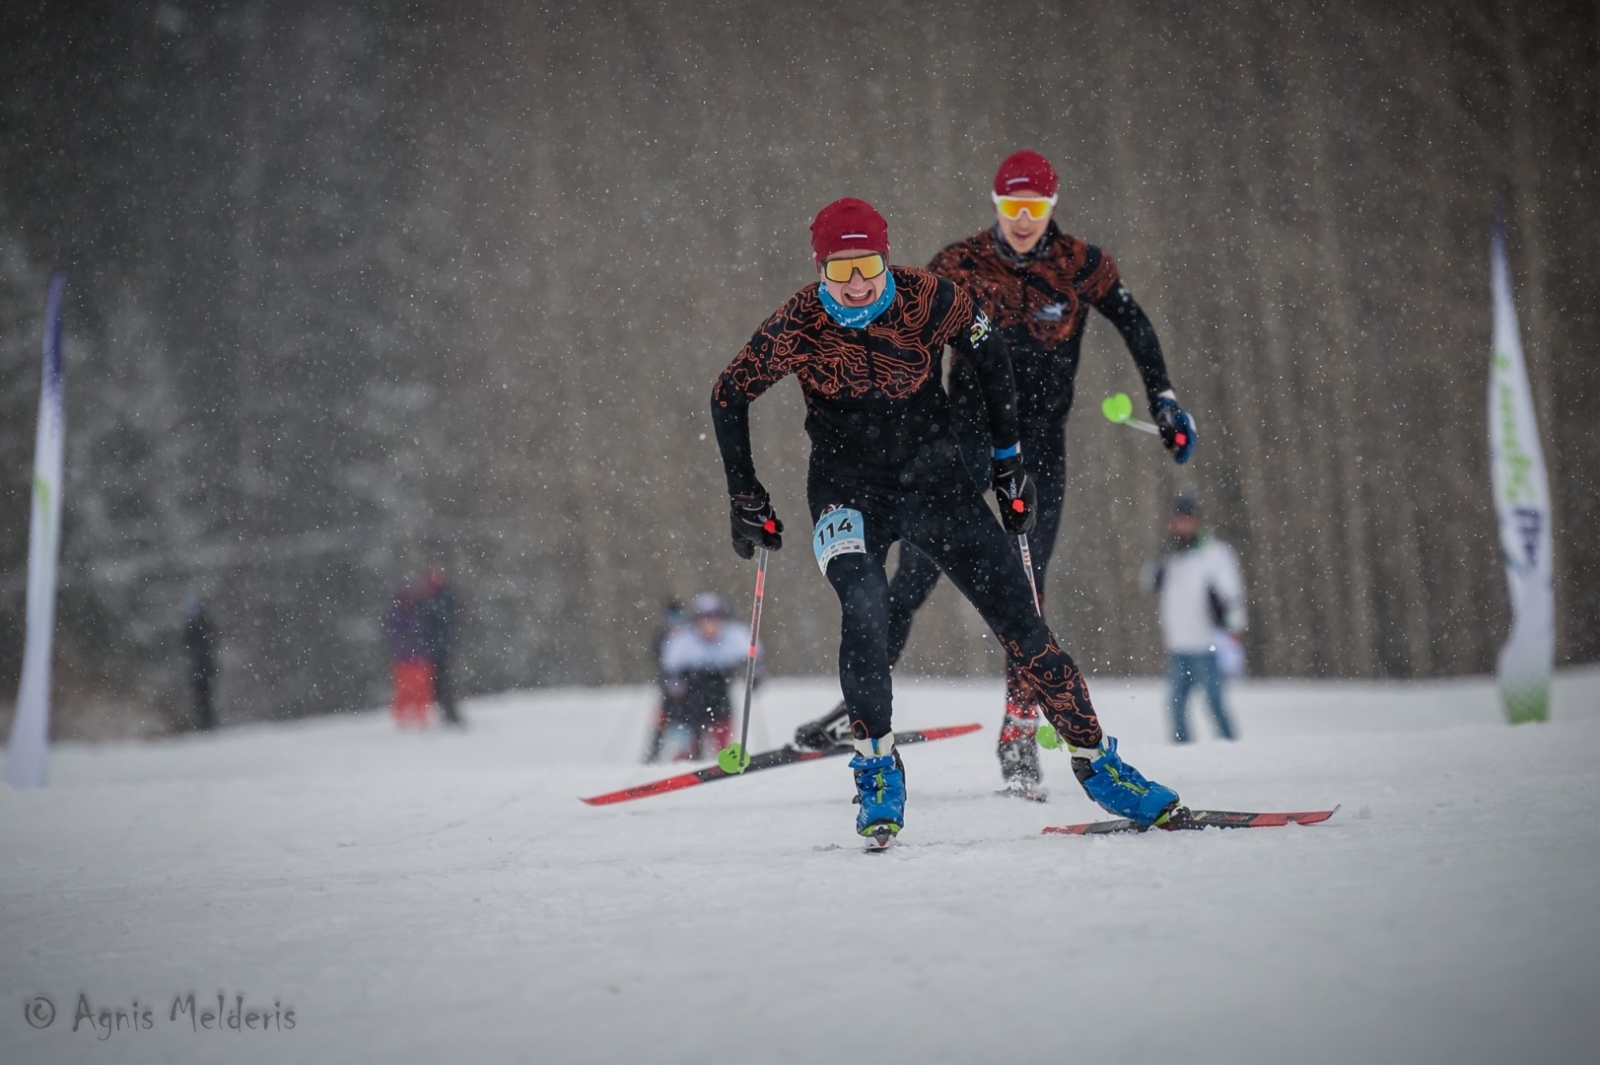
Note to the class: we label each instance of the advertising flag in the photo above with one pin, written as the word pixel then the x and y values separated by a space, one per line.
pixel 27 752
pixel 1522 501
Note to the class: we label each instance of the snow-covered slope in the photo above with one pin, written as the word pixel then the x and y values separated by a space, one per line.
pixel 444 897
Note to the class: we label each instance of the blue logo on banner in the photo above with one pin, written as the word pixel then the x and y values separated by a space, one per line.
pixel 1530 523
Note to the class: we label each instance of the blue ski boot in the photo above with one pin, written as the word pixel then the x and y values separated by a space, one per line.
pixel 1119 787
pixel 880 789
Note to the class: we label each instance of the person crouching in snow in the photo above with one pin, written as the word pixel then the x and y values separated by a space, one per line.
pixel 867 342
pixel 697 662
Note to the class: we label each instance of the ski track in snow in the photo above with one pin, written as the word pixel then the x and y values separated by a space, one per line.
pixel 443 897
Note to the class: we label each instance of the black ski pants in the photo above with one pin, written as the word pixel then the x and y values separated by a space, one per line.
pixel 444 689
pixel 947 520
pixel 1044 454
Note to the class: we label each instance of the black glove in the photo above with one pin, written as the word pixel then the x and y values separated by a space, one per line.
pixel 1019 501
pixel 755 524
pixel 1177 428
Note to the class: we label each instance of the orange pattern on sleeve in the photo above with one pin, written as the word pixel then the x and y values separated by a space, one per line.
pixel 831 360
pixel 1054 305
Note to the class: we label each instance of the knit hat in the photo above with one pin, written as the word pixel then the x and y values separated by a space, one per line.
pixel 1186 505
pixel 1025 171
pixel 709 605
pixel 848 225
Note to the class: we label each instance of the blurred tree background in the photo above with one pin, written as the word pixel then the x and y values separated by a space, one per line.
pixel 360 288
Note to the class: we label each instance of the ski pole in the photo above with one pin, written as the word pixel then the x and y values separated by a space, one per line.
pixel 735 757
pixel 1027 564
pixel 1046 733
pixel 1119 409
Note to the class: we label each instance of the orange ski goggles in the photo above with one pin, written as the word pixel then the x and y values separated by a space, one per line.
pixel 1014 207
pixel 839 270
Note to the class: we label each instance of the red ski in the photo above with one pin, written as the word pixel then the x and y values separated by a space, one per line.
pixel 767 760
pixel 1196 819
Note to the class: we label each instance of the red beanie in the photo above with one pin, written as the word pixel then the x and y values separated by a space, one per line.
pixel 1025 171
pixel 848 225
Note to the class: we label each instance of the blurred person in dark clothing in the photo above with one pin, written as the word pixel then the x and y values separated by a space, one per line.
pixel 200 639
pixel 673 618
pixel 437 611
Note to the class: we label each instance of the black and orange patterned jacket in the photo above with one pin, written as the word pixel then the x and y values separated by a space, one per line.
pixel 875 403
pixel 1040 303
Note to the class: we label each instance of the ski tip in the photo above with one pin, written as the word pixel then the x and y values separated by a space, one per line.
pixel 608 800
pixel 943 733
pixel 880 836
pixel 1298 817
pixel 1316 817
pixel 641 791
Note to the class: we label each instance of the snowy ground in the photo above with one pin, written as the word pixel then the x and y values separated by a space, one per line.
pixel 444 897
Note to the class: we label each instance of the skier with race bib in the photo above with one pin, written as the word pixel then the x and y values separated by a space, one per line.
pixel 867 343
pixel 1036 284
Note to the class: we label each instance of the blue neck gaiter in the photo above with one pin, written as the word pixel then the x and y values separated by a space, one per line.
pixel 857 317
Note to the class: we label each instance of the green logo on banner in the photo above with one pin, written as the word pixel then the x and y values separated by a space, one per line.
pixel 1516 463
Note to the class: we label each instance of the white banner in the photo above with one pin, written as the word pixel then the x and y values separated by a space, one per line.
pixel 1522 500
pixel 27 753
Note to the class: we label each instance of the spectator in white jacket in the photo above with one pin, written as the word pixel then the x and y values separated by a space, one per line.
pixel 1202 605
pixel 697 662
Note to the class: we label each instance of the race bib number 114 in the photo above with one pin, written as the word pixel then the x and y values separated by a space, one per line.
pixel 840 531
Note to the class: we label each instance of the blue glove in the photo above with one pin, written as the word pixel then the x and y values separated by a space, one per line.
pixel 1177 428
